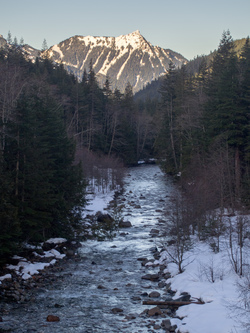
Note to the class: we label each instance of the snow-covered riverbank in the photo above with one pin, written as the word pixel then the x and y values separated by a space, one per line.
pixel 209 277
pixel 103 288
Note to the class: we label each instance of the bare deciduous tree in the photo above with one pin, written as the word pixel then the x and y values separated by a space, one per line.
pixel 178 230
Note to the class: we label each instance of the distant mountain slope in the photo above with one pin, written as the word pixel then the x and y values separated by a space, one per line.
pixel 152 88
pixel 28 50
pixel 3 42
pixel 127 58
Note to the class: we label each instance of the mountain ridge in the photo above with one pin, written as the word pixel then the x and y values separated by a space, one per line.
pixel 125 59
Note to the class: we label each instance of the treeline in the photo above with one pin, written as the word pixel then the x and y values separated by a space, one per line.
pixel 50 122
pixel 204 128
pixel 199 130
pixel 109 122
pixel 41 189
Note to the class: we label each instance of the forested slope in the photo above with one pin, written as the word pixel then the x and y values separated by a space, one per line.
pixel 196 122
pixel 203 127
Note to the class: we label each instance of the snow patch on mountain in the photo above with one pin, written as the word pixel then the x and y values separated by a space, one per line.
pixel 123 59
pixel 57 49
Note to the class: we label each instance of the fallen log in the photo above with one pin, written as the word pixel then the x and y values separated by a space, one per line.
pixel 171 303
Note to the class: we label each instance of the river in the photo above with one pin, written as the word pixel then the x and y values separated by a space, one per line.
pixel 107 274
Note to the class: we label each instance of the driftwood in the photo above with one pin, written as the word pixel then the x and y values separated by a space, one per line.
pixel 171 303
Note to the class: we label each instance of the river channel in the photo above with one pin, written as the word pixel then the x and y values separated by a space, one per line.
pixel 107 274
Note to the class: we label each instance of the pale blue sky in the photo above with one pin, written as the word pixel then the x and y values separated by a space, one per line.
pixel 190 27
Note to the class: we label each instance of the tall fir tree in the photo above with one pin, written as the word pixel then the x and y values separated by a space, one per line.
pixel 47 185
pixel 166 140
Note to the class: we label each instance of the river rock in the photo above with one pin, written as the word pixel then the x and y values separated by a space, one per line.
pixel 70 253
pixel 167 276
pixel 137 206
pixel 151 277
pixel 101 287
pixel 144 294
pixel 142 259
pixel 154 232
pixel 124 233
pixel 117 310
pixel 157 327
pixel 125 224
pixel 153 249
pixel 184 297
pixel 166 324
pixel 154 294
pixel 173 328
pixel 130 317
pixel 104 218
pixel 52 318
pixel 144 263
pixel 157 256
pixel 156 311
pixel 162 284
pixel 58 243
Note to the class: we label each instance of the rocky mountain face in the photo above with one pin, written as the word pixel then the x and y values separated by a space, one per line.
pixel 3 42
pixel 28 50
pixel 127 58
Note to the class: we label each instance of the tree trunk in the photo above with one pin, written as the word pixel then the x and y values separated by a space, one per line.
pixel 237 174
pixel 172 135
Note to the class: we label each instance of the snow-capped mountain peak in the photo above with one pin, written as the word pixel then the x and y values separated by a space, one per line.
pixel 126 58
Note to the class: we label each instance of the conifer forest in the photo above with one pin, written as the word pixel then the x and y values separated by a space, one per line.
pixel 196 126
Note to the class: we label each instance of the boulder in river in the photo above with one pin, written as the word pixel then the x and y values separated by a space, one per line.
pixel 117 310
pixel 101 287
pixel 156 311
pixel 52 318
pixel 154 232
pixel 151 277
pixel 154 294
pixel 166 324
pixel 131 316
pixel 184 297
pixel 104 218
pixel 125 224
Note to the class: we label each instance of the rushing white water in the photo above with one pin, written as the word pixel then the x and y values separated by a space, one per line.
pixel 108 274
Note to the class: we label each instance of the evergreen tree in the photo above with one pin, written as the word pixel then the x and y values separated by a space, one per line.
pixel 9 223
pixel 166 141
pixel 44 45
pixel 222 90
pixel 224 117
pixel 243 128
pixel 94 116
pixel 115 117
pixel 127 127
pixel 9 38
pixel 47 187
pixel 21 41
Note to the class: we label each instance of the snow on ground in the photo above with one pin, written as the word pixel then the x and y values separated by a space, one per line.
pixel 27 269
pixel 208 276
pixel 221 297
pixel 5 277
pixel 56 240
pixel 97 202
